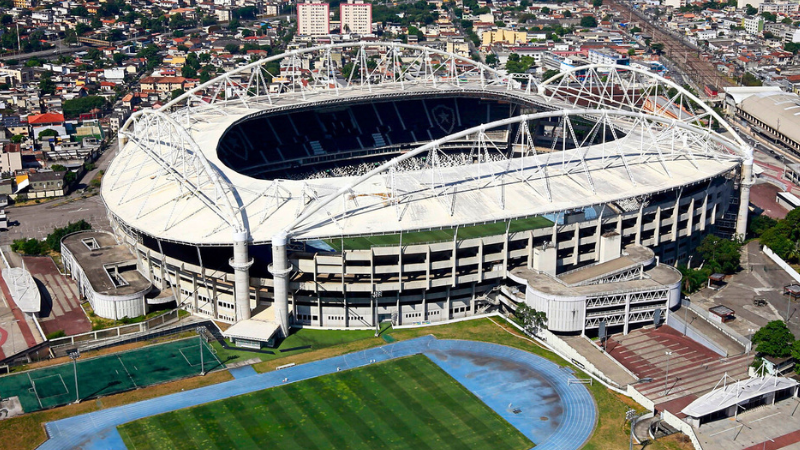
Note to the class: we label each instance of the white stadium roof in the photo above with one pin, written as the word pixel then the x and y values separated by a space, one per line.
pixel 168 182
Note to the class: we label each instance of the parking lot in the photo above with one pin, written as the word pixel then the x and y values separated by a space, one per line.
pixel 768 427
pixel 759 277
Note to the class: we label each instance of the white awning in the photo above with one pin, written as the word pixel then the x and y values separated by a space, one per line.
pixel 736 393
pixel 23 289
pixel 260 327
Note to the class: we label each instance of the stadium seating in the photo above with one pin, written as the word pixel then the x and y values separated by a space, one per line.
pixel 261 146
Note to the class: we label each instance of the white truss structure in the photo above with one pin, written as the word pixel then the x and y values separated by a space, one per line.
pixel 164 153
pixel 599 120
pixel 602 86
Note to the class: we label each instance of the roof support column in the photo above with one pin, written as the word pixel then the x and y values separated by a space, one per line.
pixel 241 263
pixel 280 269
pixel 744 194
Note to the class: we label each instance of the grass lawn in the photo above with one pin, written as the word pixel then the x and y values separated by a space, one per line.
pixel 611 431
pixel 421 237
pixel 408 403
pixel 300 341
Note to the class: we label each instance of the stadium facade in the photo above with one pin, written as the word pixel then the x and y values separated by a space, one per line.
pixel 416 188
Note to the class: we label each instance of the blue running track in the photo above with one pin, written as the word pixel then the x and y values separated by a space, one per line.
pixel 530 392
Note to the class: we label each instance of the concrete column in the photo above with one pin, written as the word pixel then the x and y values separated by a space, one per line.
pixel 530 250
pixel 639 224
pixel 627 313
pixel 690 219
pixel 704 213
pixel 744 194
pixel 657 223
pixel 424 305
pixel 576 252
pixel 241 263
pixel 280 269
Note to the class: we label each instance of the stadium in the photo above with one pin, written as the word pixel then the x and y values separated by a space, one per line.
pixel 348 184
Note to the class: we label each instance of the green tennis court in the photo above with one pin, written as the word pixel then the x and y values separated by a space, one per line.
pixel 55 386
pixel 408 403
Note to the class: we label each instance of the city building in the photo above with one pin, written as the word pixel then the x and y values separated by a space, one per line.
pixel 313 19
pixel 355 17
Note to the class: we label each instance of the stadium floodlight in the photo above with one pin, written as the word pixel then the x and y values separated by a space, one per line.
pixel 200 336
pixel 74 357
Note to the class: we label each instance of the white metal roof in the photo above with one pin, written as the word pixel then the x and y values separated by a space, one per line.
pixel 23 289
pixel 739 392
pixel 138 192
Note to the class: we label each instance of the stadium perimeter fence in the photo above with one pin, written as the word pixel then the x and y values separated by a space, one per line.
pixel 110 374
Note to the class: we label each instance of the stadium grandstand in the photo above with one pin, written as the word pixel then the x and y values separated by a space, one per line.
pixel 410 189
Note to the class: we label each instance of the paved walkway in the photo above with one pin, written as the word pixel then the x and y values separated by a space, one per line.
pixel 764 428
pixel 61 305
pixel 601 360
pixel 555 414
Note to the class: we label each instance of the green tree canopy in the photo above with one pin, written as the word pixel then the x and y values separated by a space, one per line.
pixel 530 319
pixel 720 254
pixel 774 339
pixel 588 22
pixel 82 105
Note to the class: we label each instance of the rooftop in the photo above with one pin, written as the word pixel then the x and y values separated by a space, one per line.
pixel 736 393
pixel 101 258
pixel 145 202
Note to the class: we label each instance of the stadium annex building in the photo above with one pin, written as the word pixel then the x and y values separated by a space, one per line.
pixel 422 187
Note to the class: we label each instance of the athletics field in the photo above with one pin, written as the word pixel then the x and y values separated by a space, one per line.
pixel 408 403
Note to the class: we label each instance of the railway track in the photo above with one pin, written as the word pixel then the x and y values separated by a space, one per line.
pixel 685 57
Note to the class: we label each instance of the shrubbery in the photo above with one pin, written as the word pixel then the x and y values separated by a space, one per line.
pixel 52 242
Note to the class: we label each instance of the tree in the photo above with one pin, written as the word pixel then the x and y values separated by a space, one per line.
pixel 17 138
pixel 720 254
pixel 188 72
pixel 119 58
pixel 597 3
pixel 769 17
pixel 46 84
pixel 48 133
pixel 567 14
pixel 550 74
pixel 760 224
pixel 232 48
pixel 748 79
pixel 750 10
pixel 531 320
pixel 177 93
pixel 588 22
pixel 517 64
pixel 774 339
pixel 631 51
pixel 491 59
pixel 545 10
pixel 791 47
pixel 657 47
pixel 82 105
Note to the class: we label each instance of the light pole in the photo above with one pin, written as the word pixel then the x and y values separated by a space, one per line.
pixel 375 296
pixel 666 376
pixel 200 338
pixel 74 357
pixel 630 416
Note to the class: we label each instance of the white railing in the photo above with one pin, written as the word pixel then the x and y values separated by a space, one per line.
pixel 783 264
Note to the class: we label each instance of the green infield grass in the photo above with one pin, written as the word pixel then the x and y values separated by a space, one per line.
pixel 409 403
pixel 424 237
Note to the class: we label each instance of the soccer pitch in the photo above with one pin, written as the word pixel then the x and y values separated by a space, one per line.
pixel 105 375
pixel 409 403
